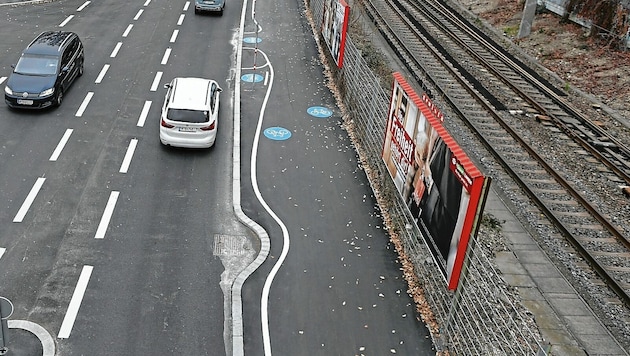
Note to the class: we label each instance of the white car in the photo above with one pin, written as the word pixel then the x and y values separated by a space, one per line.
pixel 190 113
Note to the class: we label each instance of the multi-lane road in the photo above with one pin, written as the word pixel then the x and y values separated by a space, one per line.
pixel 114 244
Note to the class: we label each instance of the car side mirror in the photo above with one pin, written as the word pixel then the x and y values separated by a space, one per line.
pixel 167 86
pixel 219 89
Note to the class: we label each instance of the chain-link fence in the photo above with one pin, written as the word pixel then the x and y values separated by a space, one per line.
pixel 483 317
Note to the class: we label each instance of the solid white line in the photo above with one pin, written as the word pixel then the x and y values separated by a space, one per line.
pixel 29 200
pixel 144 113
pixel 181 19
pixel 138 14
pixel 173 38
pixel 2 251
pixel 84 104
pixel 65 22
pixel 85 4
pixel 101 75
pixel 107 215
pixel 186 5
pixel 116 49
pixel 60 145
pixel 126 33
pixel 264 308
pixel 124 167
pixel 156 81
pixel 75 303
pixel 167 54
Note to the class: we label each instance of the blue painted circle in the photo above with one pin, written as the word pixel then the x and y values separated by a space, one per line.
pixel 252 78
pixel 319 111
pixel 277 133
pixel 252 39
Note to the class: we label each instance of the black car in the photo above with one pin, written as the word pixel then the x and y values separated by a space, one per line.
pixel 46 69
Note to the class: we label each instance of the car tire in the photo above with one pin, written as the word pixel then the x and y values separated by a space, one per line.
pixel 59 98
pixel 196 12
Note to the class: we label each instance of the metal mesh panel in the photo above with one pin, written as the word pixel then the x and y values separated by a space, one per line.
pixel 482 317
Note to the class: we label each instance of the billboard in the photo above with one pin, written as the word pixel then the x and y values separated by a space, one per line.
pixel 334 26
pixel 442 188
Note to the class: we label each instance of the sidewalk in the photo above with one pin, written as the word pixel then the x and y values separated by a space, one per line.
pixel 563 318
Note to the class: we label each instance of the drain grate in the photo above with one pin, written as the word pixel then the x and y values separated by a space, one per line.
pixel 229 245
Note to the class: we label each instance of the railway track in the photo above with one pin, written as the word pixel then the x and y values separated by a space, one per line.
pixel 569 166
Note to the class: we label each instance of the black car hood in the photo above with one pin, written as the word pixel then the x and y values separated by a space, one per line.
pixel 21 83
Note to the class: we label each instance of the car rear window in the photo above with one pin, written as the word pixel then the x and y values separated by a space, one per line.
pixel 184 115
pixel 37 65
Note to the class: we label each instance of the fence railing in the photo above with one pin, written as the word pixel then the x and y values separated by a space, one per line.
pixel 483 317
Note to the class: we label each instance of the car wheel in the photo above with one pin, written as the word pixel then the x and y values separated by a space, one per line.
pixel 59 98
pixel 196 12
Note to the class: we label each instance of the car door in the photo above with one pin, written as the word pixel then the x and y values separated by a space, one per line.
pixel 71 65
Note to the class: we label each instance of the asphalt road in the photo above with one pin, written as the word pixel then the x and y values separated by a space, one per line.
pixel 156 276
pixel 153 274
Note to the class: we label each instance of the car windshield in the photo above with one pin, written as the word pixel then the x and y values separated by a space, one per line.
pixel 184 115
pixel 37 65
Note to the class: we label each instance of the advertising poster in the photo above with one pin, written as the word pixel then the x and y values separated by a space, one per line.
pixel 334 26
pixel 443 190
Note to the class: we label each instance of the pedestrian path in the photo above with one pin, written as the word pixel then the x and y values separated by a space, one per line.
pixel 563 318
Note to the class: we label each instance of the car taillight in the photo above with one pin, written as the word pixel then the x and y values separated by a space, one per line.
pixel 164 124
pixel 208 128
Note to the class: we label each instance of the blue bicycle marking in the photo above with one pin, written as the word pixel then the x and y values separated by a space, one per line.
pixel 277 133
pixel 251 78
pixel 252 39
pixel 319 111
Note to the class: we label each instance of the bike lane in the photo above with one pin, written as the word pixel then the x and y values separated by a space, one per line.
pixel 331 283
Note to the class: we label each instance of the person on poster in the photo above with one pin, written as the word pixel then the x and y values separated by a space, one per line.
pixel 441 205
pixel 425 140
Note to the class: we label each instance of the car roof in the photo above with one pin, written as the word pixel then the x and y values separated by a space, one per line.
pixel 49 42
pixel 190 93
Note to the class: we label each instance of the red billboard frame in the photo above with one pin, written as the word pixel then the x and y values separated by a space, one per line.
pixel 443 189
pixel 334 28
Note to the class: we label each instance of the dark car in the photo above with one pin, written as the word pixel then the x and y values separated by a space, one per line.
pixel 215 6
pixel 45 71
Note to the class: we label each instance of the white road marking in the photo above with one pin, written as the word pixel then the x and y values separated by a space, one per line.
pixel 126 33
pixel 264 310
pixel 29 200
pixel 138 14
pixel 2 251
pixel 84 104
pixel 2 79
pixel 75 303
pixel 146 3
pixel 107 215
pixel 167 54
pixel 181 20
pixel 85 4
pixel 65 22
pixel 124 167
pixel 61 145
pixel 116 49
pixel 173 37
pixel 144 113
pixel 101 75
pixel 186 5
pixel 156 81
